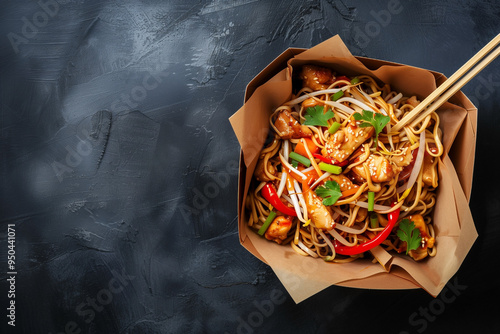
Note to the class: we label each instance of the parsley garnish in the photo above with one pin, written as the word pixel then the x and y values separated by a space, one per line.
pixel 316 116
pixel 408 233
pixel 330 192
pixel 368 118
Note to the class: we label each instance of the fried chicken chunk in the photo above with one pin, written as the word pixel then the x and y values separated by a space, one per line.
pixel 316 77
pixel 259 172
pixel 346 140
pixel 320 215
pixel 289 127
pixel 381 169
pixel 427 241
pixel 278 230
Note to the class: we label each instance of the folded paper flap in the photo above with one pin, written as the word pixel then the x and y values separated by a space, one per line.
pixel 342 66
pixel 276 66
pixel 396 280
pixel 383 257
pixel 250 124
pixel 462 153
pixel 333 47
pixel 468 230
pixel 451 216
pixel 242 221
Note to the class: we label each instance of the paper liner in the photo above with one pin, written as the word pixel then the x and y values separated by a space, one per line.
pixel 453 222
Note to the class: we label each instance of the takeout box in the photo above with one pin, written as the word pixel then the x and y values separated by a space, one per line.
pixel 453 222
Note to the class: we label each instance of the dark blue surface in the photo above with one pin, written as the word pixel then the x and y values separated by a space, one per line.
pixel 119 165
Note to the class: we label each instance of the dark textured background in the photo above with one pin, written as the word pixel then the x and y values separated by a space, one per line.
pixel 119 165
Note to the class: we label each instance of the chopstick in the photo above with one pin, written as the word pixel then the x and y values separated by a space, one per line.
pixel 452 85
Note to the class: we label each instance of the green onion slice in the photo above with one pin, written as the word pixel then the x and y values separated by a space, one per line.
pixel 335 126
pixel 371 200
pixel 330 168
pixel 337 95
pixel 373 220
pixel 268 222
pixel 300 158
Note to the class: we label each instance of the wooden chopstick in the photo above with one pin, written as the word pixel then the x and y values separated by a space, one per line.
pixel 448 88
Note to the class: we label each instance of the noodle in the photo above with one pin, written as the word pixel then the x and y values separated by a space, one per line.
pixel 400 169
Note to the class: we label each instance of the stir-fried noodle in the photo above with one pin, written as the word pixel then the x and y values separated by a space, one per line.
pixel 334 181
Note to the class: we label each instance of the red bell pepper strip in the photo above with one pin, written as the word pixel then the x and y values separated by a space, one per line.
pixel 342 77
pixel 270 194
pixel 379 238
pixel 330 161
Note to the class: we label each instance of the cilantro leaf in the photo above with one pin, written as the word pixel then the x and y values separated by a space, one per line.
pixel 316 116
pixel 408 233
pixel 369 118
pixel 330 192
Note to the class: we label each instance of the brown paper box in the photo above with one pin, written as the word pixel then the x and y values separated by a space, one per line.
pixel 455 230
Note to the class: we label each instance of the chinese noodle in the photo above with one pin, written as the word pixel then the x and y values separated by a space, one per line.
pixel 398 170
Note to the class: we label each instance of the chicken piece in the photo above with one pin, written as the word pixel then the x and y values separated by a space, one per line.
pixel 289 127
pixel 412 101
pixel 346 140
pixel 405 159
pixel 279 228
pixel 427 241
pixel 362 214
pixel 316 77
pixel 429 173
pixel 259 172
pixel 355 177
pixel 381 170
pixel 320 215
pixel 418 254
pixel 310 102
pixel 344 182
